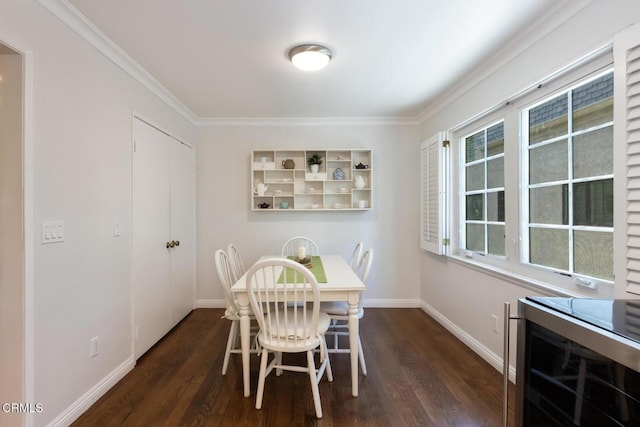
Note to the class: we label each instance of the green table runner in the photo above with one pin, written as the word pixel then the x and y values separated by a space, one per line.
pixel 315 266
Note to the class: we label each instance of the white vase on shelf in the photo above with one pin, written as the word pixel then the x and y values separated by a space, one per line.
pixel 359 182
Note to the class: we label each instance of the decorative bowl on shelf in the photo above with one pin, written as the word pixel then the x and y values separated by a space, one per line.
pixel 337 205
pixel 315 206
pixel 264 205
pixel 343 189
pixel 361 166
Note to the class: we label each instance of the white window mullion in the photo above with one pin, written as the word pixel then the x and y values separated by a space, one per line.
pixel 570 178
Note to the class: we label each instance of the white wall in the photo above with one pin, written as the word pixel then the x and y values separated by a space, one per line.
pixel 81 126
pixel 391 228
pixel 11 226
pixel 463 297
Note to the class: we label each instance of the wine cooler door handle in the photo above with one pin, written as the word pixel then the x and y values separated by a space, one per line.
pixel 505 361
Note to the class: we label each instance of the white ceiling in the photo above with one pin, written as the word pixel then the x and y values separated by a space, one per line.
pixel 227 59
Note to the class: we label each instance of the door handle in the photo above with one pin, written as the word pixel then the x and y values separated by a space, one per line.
pixel 173 243
pixel 505 361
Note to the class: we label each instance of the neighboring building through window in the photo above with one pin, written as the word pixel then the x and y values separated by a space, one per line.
pixel 567 145
pixel 484 207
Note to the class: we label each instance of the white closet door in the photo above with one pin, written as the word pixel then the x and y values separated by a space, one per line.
pixel 182 231
pixel 151 232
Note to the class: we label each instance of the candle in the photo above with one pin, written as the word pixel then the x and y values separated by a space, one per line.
pixel 301 252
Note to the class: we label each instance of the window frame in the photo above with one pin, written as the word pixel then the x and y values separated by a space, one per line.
pixel 511 266
pixel 570 180
pixel 464 165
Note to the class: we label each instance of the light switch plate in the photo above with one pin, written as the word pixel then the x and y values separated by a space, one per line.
pixel 52 232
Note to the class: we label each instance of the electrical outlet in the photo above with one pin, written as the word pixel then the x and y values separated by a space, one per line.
pixel 494 323
pixel 93 347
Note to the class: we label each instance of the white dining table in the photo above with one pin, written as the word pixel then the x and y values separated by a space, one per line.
pixel 343 284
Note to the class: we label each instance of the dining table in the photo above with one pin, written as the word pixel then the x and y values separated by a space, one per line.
pixel 336 282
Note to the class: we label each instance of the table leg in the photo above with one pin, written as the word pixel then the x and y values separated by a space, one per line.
pixel 353 345
pixel 245 345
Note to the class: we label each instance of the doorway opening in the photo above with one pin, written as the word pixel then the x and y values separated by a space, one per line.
pixel 12 226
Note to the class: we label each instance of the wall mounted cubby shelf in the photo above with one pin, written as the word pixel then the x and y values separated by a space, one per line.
pixel 343 180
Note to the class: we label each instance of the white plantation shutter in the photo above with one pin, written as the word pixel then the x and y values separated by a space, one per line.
pixel 433 174
pixel 627 129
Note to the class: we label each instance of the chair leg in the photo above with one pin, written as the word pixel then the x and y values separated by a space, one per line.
pixel 363 365
pixel 326 356
pixel 233 332
pixel 311 365
pixel 261 376
pixel 278 357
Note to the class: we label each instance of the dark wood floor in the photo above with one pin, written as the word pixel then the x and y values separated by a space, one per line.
pixel 419 375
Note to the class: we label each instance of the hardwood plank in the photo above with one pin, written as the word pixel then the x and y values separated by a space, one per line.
pixel 419 375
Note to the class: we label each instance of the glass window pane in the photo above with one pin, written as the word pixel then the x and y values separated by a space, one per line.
pixel 548 120
pixel 474 147
pixel 549 247
pixel 548 205
pixel 549 163
pixel 475 237
pixel 475 207
pixel 593 203
pixel 593 153
pixel 475 177
pixel 593 254
pixel 593 103
pixel 495 140
pixel 495 239
pixel 495 173
pixel 495 206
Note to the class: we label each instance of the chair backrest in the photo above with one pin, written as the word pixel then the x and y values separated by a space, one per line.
pixel 237 265
pixel 282 294
pixel 290 247
pixel 363 270
pixel 356 256
pixel 227 279
pixel 365 265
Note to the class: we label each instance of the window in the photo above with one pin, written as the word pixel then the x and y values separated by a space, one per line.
pixel 535 181
pixel 484 190
pixel 568 152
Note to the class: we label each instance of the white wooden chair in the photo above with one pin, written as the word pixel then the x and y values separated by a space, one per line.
pixel 356 256
pixel 236 261
pixel 338 311
pixel 232 312
pixel 290 247
pixel 290 320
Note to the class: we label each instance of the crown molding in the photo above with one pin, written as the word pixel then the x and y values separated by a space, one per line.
pixel 75 20
pixel 309 121
pixel 543 26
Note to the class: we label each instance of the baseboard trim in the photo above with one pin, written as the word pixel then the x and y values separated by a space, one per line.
pixel 373 303
pixel 483 351
pixel 78 407
pixel 392 303
pixel 210 303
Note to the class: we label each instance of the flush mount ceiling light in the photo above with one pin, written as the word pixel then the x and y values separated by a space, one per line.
pixel 310 57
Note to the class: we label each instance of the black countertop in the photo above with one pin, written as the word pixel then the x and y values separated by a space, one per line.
pixel 619 316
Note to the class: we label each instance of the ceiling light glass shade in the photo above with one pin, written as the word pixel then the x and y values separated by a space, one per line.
pixel 310 57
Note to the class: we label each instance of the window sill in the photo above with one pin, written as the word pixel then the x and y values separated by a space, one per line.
pixel 539 286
